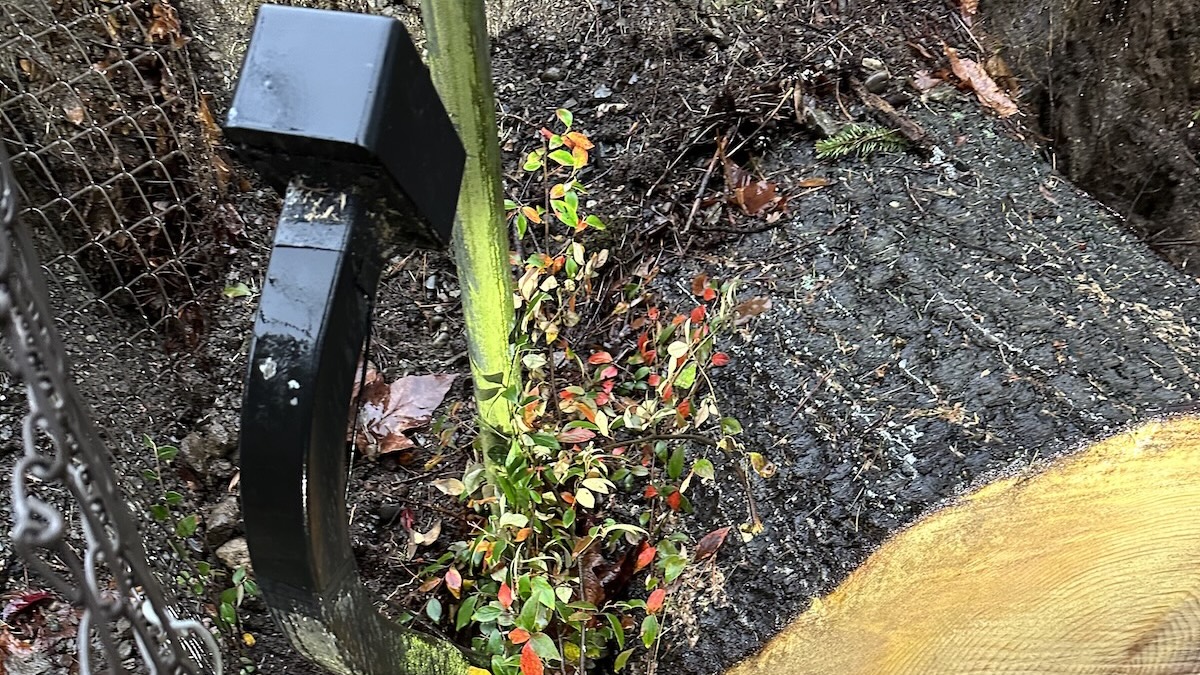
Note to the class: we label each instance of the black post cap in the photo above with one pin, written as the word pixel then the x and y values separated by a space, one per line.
pixel 324 93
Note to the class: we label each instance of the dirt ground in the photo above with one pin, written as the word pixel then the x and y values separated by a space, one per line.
pixel 938 316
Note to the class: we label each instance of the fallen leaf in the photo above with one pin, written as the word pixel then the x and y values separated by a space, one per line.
pixel 699 284
pixel 749 309
pixel 504 595
pixel 998 68
pixel 698 314
pixel 985 87
pixel 165 26
pixel 709 544
pixel 755 197
pixel 23 602
pixel 428 537
pixel 387 412
pixel 75 114
pixel 531 663
pixel 969 9
pixel 762 466
pixel 429 585
pixel 451 486
pixel 815 182
pixel 655 601
pixel 923 81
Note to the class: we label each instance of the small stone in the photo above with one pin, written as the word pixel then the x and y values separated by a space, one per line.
pixel 871 65
pixel 553 74
pixel 431 282
pixel 877 82
pixel 222 522
pixel 235 553
pixel 601 92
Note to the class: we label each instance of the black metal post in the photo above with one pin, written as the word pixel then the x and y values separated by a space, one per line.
pixel 340 108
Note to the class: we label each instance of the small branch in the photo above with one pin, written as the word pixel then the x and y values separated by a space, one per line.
pixel 695 438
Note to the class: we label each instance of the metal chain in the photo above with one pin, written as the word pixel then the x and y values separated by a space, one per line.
pixel 109 580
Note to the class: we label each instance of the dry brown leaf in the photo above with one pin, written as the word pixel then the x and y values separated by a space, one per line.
pixel 815 182
pixel 749 309
pixel 969 9
pixel 709 544
pixel 923 81
pixel 755 197
pixel 75 114
pixel 998 68
pixel 390 410
pixel 165 26
pixel 985 87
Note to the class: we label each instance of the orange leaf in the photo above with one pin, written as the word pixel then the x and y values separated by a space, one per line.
pixel 646 555
pixel 580 156
pixel 531 663
pixel 709 543
pixel 985 87
pixel 650 493
pixel 815 182
pixel 532 214
pixel 609 372
pixel 698 314
pixel 709 294
pixel 505 595
pixel 720 359
pixel 655 601
pixel 674 499
pixel 567 497
pixel 652 314
pixel 518 636
pixel 578 140
pixel 600 357
pixel 523 534
pixel 684 409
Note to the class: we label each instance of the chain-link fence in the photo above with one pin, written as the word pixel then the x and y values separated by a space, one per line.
pixel 122 199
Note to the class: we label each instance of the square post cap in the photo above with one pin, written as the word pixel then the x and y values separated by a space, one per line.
pixel 345 97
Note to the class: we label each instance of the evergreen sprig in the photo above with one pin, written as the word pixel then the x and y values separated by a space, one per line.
pixel 864 140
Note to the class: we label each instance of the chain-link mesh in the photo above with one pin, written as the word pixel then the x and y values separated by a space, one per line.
pixel 120 188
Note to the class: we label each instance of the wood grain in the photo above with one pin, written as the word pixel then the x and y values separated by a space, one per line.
pixel 1089 566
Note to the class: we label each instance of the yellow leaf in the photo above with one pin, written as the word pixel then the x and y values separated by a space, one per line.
pixel 532 214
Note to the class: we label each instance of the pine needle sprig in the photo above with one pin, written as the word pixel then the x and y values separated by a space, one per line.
pixel 861 139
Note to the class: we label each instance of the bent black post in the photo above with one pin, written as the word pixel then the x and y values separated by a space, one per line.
pixel 339 109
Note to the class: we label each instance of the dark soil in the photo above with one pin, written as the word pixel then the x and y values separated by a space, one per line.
pixel 938 317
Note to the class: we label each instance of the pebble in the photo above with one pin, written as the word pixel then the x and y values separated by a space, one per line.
pixel 431 282
pixel 872 64
pixel 877 82
pixel 235 553
pixel 553 74
pixel 601 92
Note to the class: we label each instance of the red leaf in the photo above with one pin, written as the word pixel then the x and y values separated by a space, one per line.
pixel 518 636
pixel 654 379
pixel 651 492
pixel 610 371
pixel 709 294
pixel 453 582
pixel 699 283
pixel 684 409
pixel 645 556
pixel 23 602
pixel 576 435
pixel 655 601
pixel 505 596
pixel 698 314
pixel 602 399
pixel 709 544
pixel 720 359
pixel 652 314
pixel 674 499
pixel 531 663
pixel 600 357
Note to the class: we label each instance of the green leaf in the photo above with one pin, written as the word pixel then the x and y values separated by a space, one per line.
pixel 703 468
pixel 595 223
pixel 673 566
pixel 433 609
pixel 510 519
pixel 545 440
pixel 166 453
pixel 239 575
pixel 173 499
pixel 522 225
pixel 618 630
pixel 686 377
pixel 487 613
pixel 622 659
pixel 238 290
pixel 543 592
pixel 675 463
pixel 228 614
pixel 510 205
pixel 534 161
pixel 565 116
pixel 545 647
pixel 568 518
pixel 465 612
pixel 528 617
pixel 730 426
pixel 563 158
pixel 159 512
pixel 649 630
pixel 187 526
